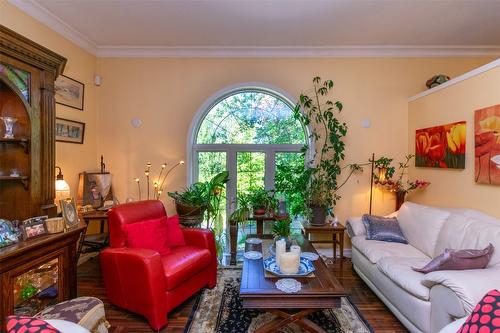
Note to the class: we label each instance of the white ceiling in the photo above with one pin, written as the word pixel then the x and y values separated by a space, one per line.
pixel 260 27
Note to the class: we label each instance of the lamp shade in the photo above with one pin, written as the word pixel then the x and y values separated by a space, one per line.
pixel 62 189
pixel 382 176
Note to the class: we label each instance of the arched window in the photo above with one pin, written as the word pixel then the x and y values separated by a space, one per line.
pixel 249 131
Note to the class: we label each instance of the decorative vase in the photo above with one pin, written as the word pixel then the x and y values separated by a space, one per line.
pixel 400 198
pixel 9 127
pixel 318 215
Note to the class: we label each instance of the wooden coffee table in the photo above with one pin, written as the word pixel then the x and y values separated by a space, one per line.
pixel 319 292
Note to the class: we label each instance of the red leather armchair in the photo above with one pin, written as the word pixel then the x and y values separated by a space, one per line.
pixel 143 281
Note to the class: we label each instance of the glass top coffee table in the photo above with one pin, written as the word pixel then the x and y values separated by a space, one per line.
pixel 258 291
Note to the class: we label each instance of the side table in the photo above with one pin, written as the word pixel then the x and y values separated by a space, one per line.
pixel 336 232
pixel 102 218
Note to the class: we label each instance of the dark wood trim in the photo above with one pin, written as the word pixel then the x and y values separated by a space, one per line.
pixel 17 46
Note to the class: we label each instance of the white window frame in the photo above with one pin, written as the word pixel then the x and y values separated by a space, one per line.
pixel 231 150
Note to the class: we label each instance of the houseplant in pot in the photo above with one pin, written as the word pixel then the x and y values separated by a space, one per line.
pixel 199 201
pixel 261 201
pixel 325 164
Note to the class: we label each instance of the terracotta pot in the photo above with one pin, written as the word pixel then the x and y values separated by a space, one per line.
pixel 259 211
pixel 318 215
pixel 400 199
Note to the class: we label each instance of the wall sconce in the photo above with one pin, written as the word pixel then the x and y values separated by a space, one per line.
pixel 62 189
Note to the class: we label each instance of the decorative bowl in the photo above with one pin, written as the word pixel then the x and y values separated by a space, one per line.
pixel 305 268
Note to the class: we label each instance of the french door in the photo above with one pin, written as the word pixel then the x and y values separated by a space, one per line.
pixel 249 166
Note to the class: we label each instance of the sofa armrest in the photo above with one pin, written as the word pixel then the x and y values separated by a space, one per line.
pixel 469 285
pixel 134 278
pixel 203 238
pixel 355 227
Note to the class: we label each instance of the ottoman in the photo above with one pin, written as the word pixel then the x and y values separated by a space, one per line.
pixel 87 312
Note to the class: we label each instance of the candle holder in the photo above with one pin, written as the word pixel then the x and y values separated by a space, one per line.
pixel 9 127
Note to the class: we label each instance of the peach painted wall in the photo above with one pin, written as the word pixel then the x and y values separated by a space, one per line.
pixel 456 188
pixel 166 94
pixel 72 158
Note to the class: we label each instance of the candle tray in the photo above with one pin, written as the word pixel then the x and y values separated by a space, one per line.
pixel 306 267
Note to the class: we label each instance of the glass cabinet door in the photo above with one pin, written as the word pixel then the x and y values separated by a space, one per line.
pixel 36 288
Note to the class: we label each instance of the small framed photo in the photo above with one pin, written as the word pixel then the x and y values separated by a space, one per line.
pixel 69 92
pixel 69 213
pixel 69 131
pixel 34 227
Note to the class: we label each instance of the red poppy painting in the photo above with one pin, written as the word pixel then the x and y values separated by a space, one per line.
pixel 441 146
pixel 487 145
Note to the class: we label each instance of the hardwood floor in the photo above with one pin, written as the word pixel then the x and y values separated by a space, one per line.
pixel 373 310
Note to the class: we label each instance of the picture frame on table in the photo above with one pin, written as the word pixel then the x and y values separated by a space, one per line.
pixel 69 92
pixel 69 213
pixel 69 131
pixel 34 227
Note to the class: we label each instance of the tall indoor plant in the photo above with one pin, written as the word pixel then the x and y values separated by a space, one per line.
pixel 327 133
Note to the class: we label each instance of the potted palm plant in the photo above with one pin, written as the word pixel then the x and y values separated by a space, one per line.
pixel 261 201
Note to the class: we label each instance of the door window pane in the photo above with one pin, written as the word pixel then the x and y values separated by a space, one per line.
pixel 287 180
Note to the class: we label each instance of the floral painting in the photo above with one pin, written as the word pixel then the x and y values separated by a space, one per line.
pixel 441 146
pixel 487 145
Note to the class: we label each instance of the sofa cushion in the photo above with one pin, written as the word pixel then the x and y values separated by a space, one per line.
pixel 458 260
pixel 398 269
pixel 149 234
pixel 463 232
pixel 182 263
pixel 383 229
pixel 421 225
pixel 376 250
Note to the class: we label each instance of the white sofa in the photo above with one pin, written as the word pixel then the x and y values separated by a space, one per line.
pixel 427 302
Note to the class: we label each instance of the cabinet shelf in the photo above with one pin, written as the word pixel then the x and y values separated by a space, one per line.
pixel 22 179
pixel 23 142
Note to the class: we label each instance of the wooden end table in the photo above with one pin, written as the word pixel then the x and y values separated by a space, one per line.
pixel 336 232
pixel 101 217
pixel 319 292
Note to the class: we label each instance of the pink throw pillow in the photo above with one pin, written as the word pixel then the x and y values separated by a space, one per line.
pixel 175 234
pixel 459 260
pixel 150 234
pixel 485 317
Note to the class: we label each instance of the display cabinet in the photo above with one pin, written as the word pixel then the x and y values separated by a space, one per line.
pixel 27 121
pixel 37 273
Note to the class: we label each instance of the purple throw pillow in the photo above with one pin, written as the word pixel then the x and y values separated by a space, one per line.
pixel 383 229
pixel 459 260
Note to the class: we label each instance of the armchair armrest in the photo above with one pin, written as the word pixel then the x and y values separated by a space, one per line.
pixel 355 227
pixel 469 285
pixel 203 238
pixel 134 279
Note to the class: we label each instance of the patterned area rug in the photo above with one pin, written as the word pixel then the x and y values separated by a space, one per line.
pixel 220 310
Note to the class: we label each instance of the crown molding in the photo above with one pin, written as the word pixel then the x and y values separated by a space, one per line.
pixel 296 51
pixel 37 11
pixel 463 77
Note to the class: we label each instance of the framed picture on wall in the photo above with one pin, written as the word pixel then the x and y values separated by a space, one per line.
pixel 69 131
pixel 441 146
pixel 69 92
pixel 487 145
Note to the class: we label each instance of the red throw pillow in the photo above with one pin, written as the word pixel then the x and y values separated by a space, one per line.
pixel 175 235
pixel 485 318
pixel 149 234
pixel 18 324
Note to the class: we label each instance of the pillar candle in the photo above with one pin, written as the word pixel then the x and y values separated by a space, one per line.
pixel 280 249
pixel 289 263
pixel 296 249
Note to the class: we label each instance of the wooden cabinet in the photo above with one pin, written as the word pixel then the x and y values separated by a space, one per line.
pixel 38 272
pixel 27 175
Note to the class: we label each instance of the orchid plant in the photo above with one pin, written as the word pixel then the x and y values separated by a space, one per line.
pixel 398 185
